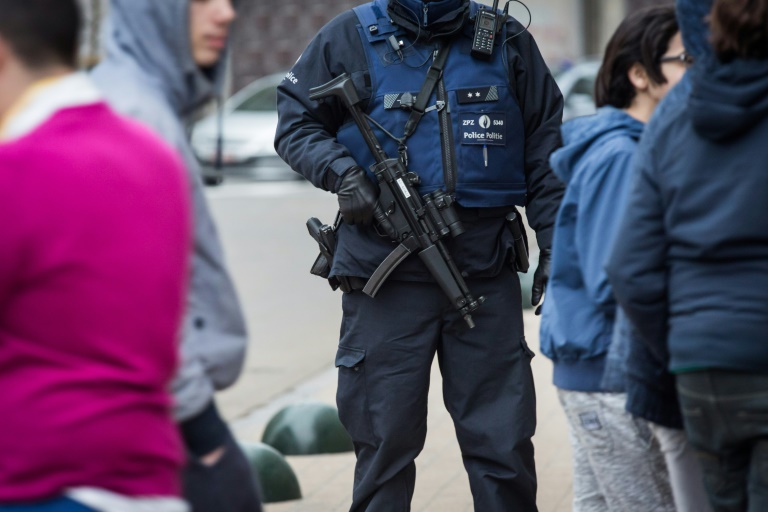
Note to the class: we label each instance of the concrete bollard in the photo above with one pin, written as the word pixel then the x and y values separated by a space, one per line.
pixel 274 476
pixel 307 429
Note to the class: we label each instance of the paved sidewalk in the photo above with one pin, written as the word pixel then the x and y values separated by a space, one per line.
pixel 441 483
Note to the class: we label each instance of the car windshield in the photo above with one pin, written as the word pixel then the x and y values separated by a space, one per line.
pixel 264 100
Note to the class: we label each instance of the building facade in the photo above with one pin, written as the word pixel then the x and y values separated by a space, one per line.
pixel 270 34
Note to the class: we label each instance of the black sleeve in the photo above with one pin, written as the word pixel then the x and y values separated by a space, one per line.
pixel 204 432
pixel 306 129
pixel 542 108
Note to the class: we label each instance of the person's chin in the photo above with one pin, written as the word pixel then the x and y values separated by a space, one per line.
pixel 208 60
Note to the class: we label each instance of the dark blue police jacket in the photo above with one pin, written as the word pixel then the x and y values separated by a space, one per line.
pixel 514 125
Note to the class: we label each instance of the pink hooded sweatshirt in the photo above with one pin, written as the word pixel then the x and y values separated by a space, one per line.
pixel 94 249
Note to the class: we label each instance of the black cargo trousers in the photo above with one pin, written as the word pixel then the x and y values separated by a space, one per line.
pixel 384 358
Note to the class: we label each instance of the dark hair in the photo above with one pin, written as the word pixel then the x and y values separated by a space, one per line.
pixel 740 29
pixel 642 38
pixel 41 32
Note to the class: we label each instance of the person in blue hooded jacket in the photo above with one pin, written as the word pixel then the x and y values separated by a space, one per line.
pixel 485 137
pixel 690 265
pixel 616 465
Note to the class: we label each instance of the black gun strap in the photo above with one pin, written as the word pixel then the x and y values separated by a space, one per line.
pixel 433 76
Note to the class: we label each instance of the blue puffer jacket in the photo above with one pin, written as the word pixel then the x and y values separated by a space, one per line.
pixel 579 309
pixel 691 264
pixel 632 367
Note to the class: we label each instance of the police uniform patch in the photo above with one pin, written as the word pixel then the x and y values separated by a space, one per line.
pixel 477 95
pixel 485 128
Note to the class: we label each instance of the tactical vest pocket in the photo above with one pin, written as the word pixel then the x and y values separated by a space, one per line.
pixel 489 148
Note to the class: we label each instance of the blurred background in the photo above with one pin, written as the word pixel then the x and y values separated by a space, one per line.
pixel 270 35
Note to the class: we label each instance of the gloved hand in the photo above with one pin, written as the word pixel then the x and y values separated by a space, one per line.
pixel 540 278
pixel 358 197
pixel 359 201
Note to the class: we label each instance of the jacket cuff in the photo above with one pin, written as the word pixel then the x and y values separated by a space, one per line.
pixel 205 432
pixel 544 237
pixel 654 405
pixel 335 171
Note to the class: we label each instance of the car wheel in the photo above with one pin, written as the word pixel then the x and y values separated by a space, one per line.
pixel 213 181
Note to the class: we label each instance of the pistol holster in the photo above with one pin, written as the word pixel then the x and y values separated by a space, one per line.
pixel 325 236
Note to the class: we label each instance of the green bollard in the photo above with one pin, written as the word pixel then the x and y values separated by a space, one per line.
pixel 272 473
pixel 307 429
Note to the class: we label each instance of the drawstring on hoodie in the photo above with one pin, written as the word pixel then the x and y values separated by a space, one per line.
pixel 218 162
pixel 219 84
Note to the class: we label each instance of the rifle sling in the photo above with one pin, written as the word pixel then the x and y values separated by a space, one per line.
pixel 433 76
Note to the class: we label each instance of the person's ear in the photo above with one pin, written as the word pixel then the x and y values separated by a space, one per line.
pixel 638 76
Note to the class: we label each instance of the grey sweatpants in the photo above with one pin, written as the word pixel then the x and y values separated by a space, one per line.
pixel 617 463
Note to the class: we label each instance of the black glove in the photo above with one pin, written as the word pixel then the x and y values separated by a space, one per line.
pixel 540 278
pixel 358 197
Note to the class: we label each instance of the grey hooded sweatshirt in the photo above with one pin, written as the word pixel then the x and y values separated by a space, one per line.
pixel 149 74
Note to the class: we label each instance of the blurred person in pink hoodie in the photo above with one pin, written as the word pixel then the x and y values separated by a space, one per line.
pixel 93 264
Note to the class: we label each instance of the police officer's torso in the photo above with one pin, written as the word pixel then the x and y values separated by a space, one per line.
pixel 483 149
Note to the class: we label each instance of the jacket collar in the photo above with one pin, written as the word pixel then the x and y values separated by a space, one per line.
pixel 429 19
pixel 44 99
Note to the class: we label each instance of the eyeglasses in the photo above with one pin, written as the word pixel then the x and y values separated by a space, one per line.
pixel 684 58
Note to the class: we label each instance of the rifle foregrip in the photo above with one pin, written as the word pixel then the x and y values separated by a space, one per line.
pixel 439 269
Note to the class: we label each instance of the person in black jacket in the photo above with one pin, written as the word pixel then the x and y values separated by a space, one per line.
pixel 690 267
pixel 485 139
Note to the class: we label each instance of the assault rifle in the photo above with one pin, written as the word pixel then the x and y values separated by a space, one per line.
pixel 417 223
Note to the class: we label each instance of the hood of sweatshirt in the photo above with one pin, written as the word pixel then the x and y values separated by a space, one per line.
pixel 154 35
pixel 728 99
pixel 691 16
pixel 581 135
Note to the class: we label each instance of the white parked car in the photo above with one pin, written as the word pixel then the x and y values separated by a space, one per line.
pixel 250 119
pixel 248 128
pixel 577 83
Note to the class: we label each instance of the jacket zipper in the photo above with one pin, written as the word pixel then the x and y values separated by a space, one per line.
pixel 446 139
pixel 426 10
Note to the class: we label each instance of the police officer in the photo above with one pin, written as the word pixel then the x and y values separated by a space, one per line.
pixel 485 137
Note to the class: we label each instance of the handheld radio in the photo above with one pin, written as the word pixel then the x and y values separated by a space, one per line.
pixel 486 27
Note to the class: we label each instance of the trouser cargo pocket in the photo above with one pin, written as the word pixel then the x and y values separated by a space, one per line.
pixel 352 395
